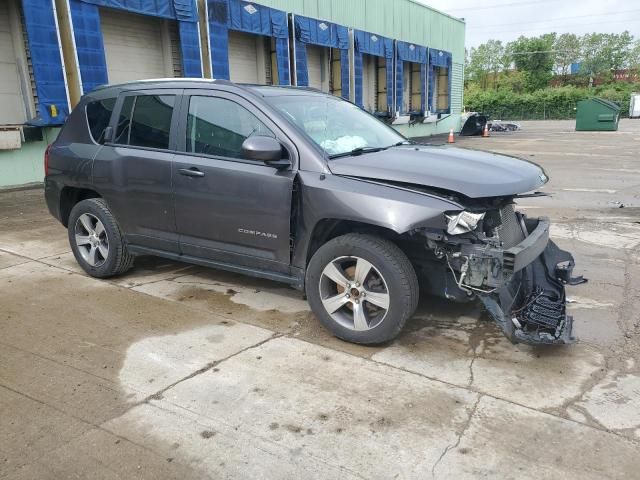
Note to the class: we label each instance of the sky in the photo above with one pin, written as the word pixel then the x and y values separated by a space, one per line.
pixel 506 20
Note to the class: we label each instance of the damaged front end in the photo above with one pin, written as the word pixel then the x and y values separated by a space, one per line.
pixel 509 263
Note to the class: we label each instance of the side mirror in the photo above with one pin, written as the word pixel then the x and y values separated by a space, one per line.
pixel 265 149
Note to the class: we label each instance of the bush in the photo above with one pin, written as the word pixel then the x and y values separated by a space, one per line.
pixel 549 103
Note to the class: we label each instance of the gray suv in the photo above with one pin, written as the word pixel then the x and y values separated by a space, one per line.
pixel 301 187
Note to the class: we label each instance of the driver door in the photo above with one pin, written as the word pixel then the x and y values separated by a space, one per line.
pixel 229 209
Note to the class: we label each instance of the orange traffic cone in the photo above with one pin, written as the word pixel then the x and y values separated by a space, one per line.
pixel 451 137
pixel 485 132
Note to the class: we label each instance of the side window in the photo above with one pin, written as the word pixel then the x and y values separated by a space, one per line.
pixel 98 117
pixel 217 126
pixel 145 121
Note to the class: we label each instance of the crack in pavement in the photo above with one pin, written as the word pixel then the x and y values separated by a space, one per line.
pixel 595 425
pixel 160 393
pixel 465 427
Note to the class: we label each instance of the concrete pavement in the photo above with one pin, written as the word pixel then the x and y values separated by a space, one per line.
pixel 175 371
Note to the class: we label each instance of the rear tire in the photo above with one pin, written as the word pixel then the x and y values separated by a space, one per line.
pixel 96 239
pixel 362 288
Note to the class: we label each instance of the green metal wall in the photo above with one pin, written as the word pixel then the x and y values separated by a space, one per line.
pixel 26 165
pixel 405 20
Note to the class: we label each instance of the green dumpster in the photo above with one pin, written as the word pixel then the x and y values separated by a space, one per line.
pixel 596 114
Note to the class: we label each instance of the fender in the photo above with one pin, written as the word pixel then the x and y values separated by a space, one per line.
pixel 326 196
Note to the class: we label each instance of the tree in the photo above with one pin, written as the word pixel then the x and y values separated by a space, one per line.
pixel 534 58
pixel 604 52
pixel 486 62
pixel 634 56
pixel 566 51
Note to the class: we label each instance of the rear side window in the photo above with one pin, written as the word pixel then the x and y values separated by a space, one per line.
pixel 98 117
pixel 145 121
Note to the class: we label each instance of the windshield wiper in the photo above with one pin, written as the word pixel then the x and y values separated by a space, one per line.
pixel 357 151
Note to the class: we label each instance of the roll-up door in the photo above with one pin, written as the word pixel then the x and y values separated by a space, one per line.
pixel 243 58
pixel 406 87
pixel 250 58
pixel 442 88
pixel 416 88
pixel 13 109
pixel 381 84
pixel 369 83
pixel 138 46
pixel 317 63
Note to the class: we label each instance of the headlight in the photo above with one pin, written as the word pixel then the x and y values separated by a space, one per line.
pixel 462 222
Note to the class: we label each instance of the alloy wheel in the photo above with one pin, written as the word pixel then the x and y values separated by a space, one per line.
pixel 354 293
pixel 91 239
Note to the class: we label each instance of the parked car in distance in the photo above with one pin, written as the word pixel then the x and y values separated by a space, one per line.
pixel 301 187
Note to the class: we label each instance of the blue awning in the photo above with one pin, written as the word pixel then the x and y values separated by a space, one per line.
pixel 182 10
pixel 46 59
pixel 225 15
pixel 372 44
pixel 326 34
pixel 85 17
pixel 439 58
pixel 410 52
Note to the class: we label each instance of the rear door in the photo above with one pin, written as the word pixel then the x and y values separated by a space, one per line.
pixel 229 209
pixel 133 171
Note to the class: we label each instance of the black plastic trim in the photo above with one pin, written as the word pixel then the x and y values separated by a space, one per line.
pixel 296 280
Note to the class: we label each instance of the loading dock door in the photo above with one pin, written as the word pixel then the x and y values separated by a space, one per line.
pixel 373 71
pixel 406 87
pixel 137 46
pixel 441 90
pixel 370 83
pixel 243 58
pixel 321 49
pixel 13 108
pixel 250 58
pixel 381 84
pixel 316 62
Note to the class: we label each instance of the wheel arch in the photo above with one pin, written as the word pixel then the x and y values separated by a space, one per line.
pixel 327 229
pixel 70 196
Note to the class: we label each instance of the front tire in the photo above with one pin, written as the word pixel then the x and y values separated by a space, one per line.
pixel 96 240
pixel 362 288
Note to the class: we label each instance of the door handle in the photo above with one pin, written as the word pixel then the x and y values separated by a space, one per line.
pixel 191 172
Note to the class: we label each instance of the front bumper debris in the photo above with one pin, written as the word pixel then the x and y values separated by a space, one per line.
pixel 521 286
pixel 531 308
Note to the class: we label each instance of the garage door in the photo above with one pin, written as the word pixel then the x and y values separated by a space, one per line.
pixel 138 46
pixel 13 109
pixel 317 68
pixel 369 89
pixel 406 87
pixel 243 58
pixel 381 84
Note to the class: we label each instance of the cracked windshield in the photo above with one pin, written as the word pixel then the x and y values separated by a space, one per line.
pixel 339 127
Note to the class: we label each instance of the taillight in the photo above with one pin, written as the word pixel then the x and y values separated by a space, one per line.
pixel 46 161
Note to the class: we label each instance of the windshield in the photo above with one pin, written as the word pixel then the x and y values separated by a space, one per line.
pixel 339 127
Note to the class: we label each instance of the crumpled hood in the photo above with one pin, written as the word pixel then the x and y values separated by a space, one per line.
pixel 472 173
